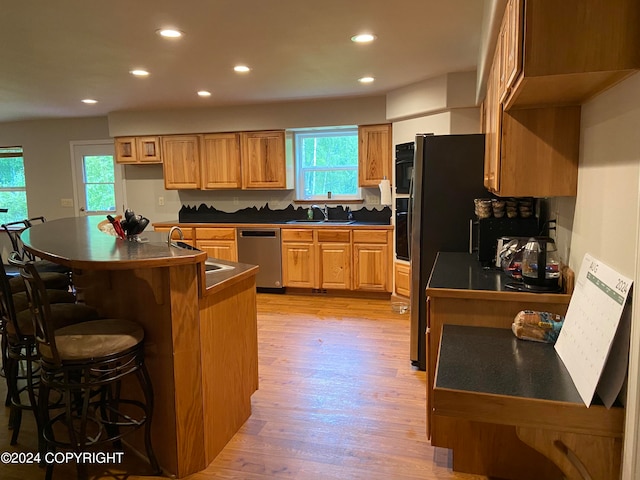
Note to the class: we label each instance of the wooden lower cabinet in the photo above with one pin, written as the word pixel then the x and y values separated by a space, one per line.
pixel 372 260
pixel 402 276
pixel 334 259
pixel 217 242
pixel 298 258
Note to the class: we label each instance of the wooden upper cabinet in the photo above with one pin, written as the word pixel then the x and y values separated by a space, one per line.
pixel 138 150
pixel 374 154
pixel 565 52
pixel 181 166
pixel 263 160
pixel 220 161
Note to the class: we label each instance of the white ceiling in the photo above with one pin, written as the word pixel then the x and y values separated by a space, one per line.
pixel 55 53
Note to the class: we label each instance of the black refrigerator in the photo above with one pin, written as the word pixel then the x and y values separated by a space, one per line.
pixel 447 175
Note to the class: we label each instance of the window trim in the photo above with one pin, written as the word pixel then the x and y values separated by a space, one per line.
pixel 314 132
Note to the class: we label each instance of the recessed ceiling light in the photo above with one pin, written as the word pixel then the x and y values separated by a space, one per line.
pixel 169 33
pixel 89 100
pixel 363 38
pixel 366 80
pixel 204 93
pixel 138 72
pixel 241 68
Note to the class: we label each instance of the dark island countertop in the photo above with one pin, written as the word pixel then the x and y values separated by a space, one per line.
pixel 78 243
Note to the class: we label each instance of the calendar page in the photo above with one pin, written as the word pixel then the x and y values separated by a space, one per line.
pixel 591 323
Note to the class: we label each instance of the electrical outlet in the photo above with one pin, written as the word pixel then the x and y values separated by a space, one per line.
pixel 235 201
pixel 66 202
pixel 161 201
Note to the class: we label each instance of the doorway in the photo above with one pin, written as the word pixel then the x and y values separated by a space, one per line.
pixel 98 184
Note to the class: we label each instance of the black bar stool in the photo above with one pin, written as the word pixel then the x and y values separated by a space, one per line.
pixel 19 344
pixel 86 363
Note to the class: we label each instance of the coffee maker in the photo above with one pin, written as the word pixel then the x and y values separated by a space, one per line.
pixel 540 267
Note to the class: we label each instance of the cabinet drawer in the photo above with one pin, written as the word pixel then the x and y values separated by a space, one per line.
pixel 334 236
pixel 370 236
pixel 296 235
pixel 216 233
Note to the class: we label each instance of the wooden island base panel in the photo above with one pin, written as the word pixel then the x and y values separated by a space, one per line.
pixel 200 331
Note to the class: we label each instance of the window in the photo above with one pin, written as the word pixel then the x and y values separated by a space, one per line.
pixel 99 183
pixel 13 189
pixel 327 161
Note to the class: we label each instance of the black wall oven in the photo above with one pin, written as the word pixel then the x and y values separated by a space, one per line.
pixel 402 228
pixel 404 166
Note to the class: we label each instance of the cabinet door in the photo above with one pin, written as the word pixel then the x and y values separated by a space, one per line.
pixel 263 160
pixel 512 55
pixel 403 279
pixel 335 265
pixel 492 128
pixel 181 164
pixel 374 154
pixel 126 150
pixel 221 161
pixel 221 249
pixel 539 152
pixel 371 267
pixel 298 265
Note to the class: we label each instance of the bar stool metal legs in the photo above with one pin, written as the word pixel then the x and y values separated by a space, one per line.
pixel 88 364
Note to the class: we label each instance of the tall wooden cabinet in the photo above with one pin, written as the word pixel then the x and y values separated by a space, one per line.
pixel 263 160
pixel 181 166
pixel 220 161
pixel 246 160
pixel 374 154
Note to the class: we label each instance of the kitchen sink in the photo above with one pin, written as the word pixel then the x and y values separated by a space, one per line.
pixel 211 266
pixel 320 222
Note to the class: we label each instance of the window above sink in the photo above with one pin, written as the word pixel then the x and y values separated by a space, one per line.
pixel 327 163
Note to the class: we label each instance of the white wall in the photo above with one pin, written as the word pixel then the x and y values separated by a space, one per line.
pixel 606 217
pixel 47 158
pixel 301 114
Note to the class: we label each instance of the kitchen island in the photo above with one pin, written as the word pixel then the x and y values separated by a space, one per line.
pixel 200 330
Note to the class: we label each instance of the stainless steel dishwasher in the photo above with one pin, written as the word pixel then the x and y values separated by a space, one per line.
pixel 261 246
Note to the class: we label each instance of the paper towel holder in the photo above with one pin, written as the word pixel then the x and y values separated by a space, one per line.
pixel 385 191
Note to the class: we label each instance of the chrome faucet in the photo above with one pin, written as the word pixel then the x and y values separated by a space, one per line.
pixel 173 229
pixel 325 211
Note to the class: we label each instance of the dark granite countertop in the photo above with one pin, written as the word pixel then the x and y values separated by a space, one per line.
pixel 494 361
pixel 460 270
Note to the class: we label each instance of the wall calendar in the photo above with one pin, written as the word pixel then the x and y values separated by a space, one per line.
pixel 590 326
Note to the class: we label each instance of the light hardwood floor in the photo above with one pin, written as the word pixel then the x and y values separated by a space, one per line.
pixel 338 399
